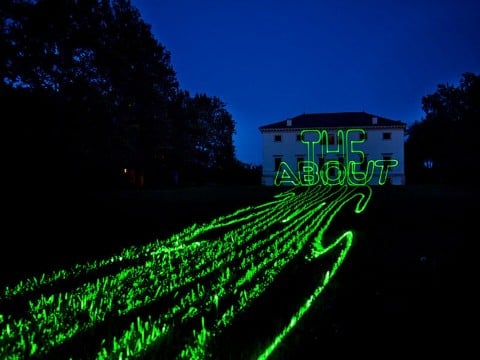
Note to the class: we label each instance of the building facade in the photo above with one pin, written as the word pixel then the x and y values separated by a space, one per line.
pixel 338 143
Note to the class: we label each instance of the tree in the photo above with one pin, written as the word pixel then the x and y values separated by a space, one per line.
pixel 202 138
pixel 213 142
pixel 107 80
pixel 442 146
pixel 95 96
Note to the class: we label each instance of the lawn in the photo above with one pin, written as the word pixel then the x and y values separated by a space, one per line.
pixel 405 282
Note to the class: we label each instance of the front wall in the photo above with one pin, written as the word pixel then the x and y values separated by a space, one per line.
pixel 374 148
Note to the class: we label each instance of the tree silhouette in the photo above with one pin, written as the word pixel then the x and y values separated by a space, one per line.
pixel 95 97
pixel 442 147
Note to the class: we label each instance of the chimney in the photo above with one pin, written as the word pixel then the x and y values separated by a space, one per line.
pixel 374 120
pixel 289 122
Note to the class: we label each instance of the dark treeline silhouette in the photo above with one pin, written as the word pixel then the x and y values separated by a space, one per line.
pixel 93 101
pixel 443 146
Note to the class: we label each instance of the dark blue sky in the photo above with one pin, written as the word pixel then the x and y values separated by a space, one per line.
pixel 273 59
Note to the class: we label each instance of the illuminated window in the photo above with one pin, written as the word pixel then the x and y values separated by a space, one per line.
pixel 428 163
pixel 387 136
pixel 277 138
pixel 278 160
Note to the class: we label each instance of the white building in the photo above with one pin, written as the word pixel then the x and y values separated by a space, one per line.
pixel 358 143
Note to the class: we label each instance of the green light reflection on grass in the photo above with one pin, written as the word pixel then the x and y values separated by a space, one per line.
pixel 208 273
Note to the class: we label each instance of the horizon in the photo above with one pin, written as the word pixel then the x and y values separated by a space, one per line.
pixel 273 60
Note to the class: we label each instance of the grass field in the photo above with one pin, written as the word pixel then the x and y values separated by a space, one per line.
pixel 406 283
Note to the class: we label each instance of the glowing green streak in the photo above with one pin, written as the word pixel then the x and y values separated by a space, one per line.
pixel 271 272
pixel 306 306
pixel 320 250
pixel 264 281
pixel 335 207
pixel 239 266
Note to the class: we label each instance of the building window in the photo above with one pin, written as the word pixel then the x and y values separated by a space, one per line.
pixel 340 140
pixel 321 161
pixel 363 163
pixel 331 171
pixel 278 160
pixel 277 138
pixel 387 136
pixel 386 157
pixel 331 139
pixel 299 160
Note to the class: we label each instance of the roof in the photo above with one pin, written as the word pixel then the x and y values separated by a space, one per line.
pixel 333 120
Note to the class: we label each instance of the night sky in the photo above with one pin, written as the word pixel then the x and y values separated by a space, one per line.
pixel 273 59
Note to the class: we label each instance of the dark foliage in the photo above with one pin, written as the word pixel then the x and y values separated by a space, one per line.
pixel 95 101
pixel 442 147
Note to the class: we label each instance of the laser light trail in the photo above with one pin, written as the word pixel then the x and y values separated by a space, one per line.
pixel 188 288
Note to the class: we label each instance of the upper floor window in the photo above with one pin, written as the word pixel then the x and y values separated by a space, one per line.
pixel 321 161
pixel 387 136
pixel 331 139
pixel 277 138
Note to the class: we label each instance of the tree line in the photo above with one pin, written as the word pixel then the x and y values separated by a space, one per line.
pixel 90 98
pixel 443 146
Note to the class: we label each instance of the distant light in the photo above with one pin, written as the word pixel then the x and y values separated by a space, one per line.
pixel 428 163
pixel 125 170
